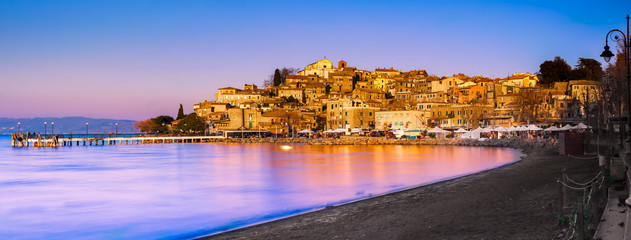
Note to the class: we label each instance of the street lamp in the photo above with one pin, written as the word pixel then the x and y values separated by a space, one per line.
pixel 86 131
pixel 19 127
pixel 116 133
pixel 52 130
pixel 607 54
pixel 45 129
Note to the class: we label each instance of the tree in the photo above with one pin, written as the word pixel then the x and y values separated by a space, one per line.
pixel 272 79
pixel 587 69
pixel 554 71
pixel 162 122
pixel 191 123
pixel 528 101
pixel 145 126
pixel 180 112
pixel 615 78
pixel 269 81
pixel 285 72
pixel 277 79
pixel 320 123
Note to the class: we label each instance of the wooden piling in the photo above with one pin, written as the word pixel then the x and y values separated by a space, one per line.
pixel 561 203
pixel 580 221
pixel 595 207
pixel 565 200
pixel 39 140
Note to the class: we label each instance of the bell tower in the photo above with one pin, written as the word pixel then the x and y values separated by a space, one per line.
pixel 341 64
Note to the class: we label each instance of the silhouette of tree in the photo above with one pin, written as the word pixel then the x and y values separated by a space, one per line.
pixel 277 78
pixel 284 72
pixel 180 112
pixel 162 123
pixel 587 69
pixel 553 71
pixel 145 125
pixel 191 123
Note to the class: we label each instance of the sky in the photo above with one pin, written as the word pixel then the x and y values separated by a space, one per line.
pixel 140 59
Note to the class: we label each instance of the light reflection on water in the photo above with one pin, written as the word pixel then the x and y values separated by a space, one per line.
pixel 187 190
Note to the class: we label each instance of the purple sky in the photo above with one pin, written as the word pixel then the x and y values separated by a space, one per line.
pixel 139 59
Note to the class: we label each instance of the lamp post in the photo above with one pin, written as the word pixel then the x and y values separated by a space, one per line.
pixel 86 131
pixel 52 126
pixel 607 54
pixel 19 127
pixel 45 130
pixel 116 132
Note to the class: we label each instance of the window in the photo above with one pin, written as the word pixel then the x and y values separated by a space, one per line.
pixel 370 114
pixel 250 116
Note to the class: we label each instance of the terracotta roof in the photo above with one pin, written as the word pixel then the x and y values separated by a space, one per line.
pixel 296 77
pixel 229 88
pixel 369 90
pixel 584 82
pixel 386 70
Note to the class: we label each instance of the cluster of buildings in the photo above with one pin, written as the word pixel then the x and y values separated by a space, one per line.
pixel 327 96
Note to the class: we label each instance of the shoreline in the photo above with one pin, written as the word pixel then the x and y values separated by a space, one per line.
pixel 352 201
pixel 368 218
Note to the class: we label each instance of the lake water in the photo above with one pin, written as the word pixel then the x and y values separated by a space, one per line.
pixel 187 190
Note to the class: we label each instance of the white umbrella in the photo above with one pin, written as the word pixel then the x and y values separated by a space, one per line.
pixel 500 129
pixel 513 129
pixel 437 130
pixel 487 129
pixel 460 130
pixel 356 130
pixel 328 131
pixel 466 134
pixel 551 129
pixel 305 131
pixel 582 126
pixel 339 130
pixel 534 128
pixel 566 127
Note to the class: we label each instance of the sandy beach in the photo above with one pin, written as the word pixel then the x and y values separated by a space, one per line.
pixel 516 201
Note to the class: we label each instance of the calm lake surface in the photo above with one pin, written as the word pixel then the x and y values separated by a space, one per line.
pixel 172 191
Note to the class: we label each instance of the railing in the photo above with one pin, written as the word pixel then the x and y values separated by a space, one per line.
pixel 583 215
pixel 120 135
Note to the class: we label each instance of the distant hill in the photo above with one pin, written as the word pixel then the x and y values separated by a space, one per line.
pixel 65 125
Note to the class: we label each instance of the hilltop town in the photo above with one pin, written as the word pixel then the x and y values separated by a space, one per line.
pixel 324 96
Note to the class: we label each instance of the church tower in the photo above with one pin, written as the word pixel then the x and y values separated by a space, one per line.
pixel 341 64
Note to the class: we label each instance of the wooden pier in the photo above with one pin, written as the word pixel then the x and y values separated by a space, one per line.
pixel 38 140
